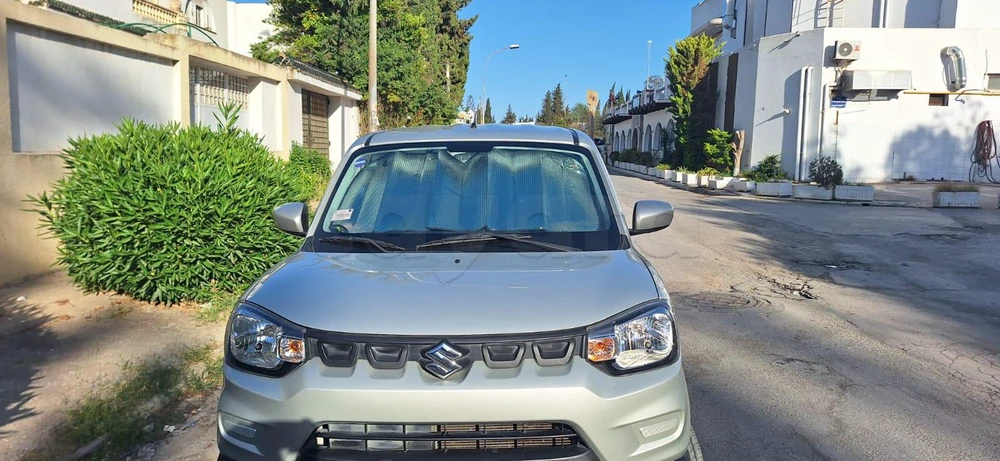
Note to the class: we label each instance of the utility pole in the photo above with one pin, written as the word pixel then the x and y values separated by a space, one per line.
pixel 649 46
pixel 372 67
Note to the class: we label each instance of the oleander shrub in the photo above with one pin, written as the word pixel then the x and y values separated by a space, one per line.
pixel 165 213
pixel 311 170
pixel 768 170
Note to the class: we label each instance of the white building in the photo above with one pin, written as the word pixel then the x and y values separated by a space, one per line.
pixel 890 88
pixel 72 68
pixel 639 123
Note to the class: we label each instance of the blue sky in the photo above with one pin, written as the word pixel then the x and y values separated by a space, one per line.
pixel 583 44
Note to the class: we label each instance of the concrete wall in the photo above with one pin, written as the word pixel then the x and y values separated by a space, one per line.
pixel 108 84
pixel 873 140
pixel 882 140
pixel 246 25
pixel 969 13
pixel 61 75
pixel 705 11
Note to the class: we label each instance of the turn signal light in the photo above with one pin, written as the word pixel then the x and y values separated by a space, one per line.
pixel 601 349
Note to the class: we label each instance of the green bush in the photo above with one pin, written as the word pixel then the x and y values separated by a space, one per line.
pixel 629 156
pixel 768 170
pixel 718 150
pixel 166 214
pixel 663 167
pixel 646 159
pixel 826 172
pixel 709 172
pixel 311 170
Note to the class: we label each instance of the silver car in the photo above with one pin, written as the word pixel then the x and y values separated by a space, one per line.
pixel 461 293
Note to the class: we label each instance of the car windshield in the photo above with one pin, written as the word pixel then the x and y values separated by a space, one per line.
pixel 407 197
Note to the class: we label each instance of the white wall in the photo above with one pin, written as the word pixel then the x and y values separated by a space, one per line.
pixel 705 11
pixel 246 25
pixel 262 119
pixel 883 139
pixel 970 13
pixel 776 86
pixel 294 111
pixel 107 84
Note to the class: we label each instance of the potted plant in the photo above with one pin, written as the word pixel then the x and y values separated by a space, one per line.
pixel 854 192
pixel 952 195
pixel 688 177
pixel 770 179
pixel 826 173
pixel 663 171
pixel 707 174
pixel 744 183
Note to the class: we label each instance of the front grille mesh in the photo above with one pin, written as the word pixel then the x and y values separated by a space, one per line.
pixel 443 437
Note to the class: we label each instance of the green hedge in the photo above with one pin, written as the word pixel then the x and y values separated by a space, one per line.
pixel 166 214
pixel 311 170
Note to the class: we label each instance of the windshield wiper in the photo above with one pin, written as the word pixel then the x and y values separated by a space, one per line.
pixel 491 236
pixel 381 245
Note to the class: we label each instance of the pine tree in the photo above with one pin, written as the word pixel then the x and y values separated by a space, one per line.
pixel 488 113
pixel 525 119
pixel 546 115
pixel 558 107
pixel 510 117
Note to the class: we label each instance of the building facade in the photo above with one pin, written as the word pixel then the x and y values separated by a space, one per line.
pixel 641 123
pixel 66 71
pixel 892 89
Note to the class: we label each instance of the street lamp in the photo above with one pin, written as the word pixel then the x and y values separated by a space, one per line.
pixel 649 46
pixel 482 101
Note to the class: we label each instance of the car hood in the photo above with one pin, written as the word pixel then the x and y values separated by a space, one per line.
pixel 436 294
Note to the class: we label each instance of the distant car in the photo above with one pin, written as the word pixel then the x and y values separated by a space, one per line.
pixel 464 293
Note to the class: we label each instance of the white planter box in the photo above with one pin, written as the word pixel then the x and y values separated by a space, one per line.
pixel 651 171
pixel 740 185
pixel 670 175
pixel 956 199
pixel 774 189
pixel 662 174
pixel 813 192
pixel 703 181
pixel 854 193
pixel 689 179
pixel 719 183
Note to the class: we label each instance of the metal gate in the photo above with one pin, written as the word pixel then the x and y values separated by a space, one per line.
pixel 315 122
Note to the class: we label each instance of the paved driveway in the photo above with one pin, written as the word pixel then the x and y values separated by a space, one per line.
pixel 830 332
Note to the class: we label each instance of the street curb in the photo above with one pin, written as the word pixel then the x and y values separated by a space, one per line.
pixel 747 195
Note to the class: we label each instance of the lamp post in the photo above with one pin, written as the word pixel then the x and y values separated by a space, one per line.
pixel 482 101
pixel 649 46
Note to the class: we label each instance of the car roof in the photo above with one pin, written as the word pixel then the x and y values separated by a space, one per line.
pixel 462 132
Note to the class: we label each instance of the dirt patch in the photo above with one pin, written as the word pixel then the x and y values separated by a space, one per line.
pixel 61 345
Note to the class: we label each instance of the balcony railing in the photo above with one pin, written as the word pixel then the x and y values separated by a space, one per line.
pixel 160 14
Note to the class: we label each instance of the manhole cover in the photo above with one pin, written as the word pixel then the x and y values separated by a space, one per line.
pixel 720 301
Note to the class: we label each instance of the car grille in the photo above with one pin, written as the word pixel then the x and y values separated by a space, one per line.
pixel 441 438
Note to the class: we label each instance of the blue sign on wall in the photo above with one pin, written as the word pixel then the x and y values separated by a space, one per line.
pixel 838 102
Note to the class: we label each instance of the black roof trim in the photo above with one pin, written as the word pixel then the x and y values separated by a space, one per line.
pixel 576 138
pixel 327 77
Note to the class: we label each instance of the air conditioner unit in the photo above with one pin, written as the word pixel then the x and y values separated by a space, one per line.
pixel 847 50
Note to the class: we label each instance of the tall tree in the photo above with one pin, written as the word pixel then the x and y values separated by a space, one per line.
pixel 691 102
pixel 470 104
pixel 488 113
pixel 558 106
pixel 510 117
pixel 422 51
pixel 525 119
pixel 545 117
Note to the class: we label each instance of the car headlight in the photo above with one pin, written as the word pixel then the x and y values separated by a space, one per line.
pixel 641 339
pixel 261 340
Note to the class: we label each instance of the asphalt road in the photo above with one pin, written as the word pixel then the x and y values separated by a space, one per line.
pixel 833 332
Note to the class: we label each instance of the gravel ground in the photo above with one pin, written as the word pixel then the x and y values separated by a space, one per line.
pixel 820 332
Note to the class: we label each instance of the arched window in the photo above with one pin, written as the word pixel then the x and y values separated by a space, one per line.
pixel 657 142
pixel 649 139
pixel 635 138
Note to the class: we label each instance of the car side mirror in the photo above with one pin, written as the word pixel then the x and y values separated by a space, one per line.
pixel 292 218
pixel 651 216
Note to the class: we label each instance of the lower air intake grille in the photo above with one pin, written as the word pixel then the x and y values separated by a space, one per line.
pixel 440 438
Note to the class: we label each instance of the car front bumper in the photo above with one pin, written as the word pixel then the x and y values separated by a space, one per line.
pixel 639 417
